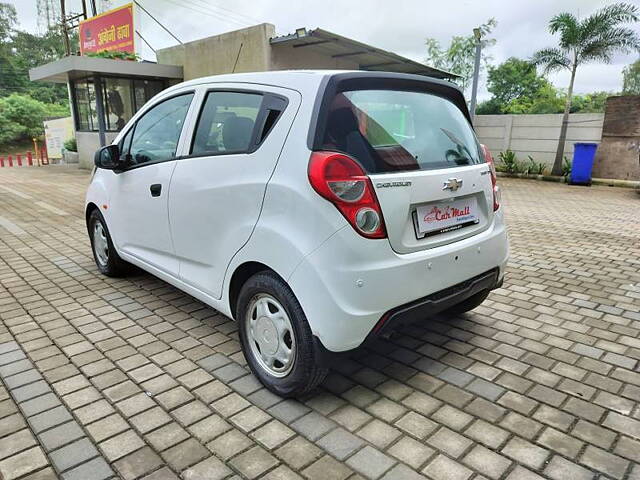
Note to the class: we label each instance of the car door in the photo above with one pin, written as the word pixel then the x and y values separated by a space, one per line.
pixel 217 192
pixel 139 199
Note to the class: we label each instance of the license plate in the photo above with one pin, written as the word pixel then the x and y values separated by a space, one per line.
pixel 442 217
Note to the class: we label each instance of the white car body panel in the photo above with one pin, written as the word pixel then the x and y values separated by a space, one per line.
pixel 350 282
pixel 226 210
pixel 141 226
pixel 216 200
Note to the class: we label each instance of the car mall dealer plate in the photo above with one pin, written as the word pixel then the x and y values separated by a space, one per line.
pixel 442 217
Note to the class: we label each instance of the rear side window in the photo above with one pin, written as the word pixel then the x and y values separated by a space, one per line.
pixel 226 123
pixel 396 130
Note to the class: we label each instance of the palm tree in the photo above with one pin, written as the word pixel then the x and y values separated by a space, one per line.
pixel 593 39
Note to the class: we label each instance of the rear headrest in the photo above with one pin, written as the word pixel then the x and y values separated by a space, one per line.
pixel 342 121
pixel 236 133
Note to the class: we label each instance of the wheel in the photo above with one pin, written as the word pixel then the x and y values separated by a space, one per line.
pixel 468 304
pixel 275 336
pixel 104 253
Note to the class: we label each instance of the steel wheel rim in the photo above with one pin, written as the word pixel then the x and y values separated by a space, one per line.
pixel 100 244
pixel 270 335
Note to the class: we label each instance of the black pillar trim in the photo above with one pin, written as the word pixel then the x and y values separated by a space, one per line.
pixel 97 84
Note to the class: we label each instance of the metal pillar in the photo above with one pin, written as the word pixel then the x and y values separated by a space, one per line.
pixel 476 72
pixel 97 84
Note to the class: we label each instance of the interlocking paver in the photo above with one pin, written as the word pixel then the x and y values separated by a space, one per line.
pixel 121 445
pixel 15 443
pixel 411 452
pixel 370 462
pixel 273 434
pixel 443 468
pixel 96 469
pixel 340 443
pixel 450 442
pixel 327 468
pixel 22 463
pixel 60 435
pixel 559 442
pixel 210 468
pixel 167 436
pixel 525 452
pixel 543 374
pixel 137 464
pixel 486 462
pixel 298 453
pixel 229 444
pixel 73 454
pixel 253 463
pixel 604 462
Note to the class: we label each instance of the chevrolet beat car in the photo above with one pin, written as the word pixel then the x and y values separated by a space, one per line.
pixel 316 208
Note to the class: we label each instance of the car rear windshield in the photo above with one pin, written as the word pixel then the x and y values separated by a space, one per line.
pixel 397 130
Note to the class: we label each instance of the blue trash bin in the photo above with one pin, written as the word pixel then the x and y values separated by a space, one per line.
pixel 583 155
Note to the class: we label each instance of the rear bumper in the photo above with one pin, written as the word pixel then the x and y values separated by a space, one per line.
pixel 349 282
pixel 436 302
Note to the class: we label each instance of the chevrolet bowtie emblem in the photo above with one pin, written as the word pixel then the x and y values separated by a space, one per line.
pixel 452 184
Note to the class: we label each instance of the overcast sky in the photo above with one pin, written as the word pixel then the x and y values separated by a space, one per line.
pixel 400 26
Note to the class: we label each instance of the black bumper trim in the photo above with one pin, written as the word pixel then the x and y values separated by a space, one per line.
pixel 436 302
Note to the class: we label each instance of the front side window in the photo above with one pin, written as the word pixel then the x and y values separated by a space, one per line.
pixel 157 132
pixel 396 130
pixel 226 123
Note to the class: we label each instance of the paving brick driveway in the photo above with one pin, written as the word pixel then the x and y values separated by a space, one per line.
pixel 132 378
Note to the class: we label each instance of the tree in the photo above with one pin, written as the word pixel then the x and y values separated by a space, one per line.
pixel 593 39
pixel 590 102
pixel 514 78
pixel 516 82
pixel 546 100
pixel 459 56
pixel 631 79
pixel 10 78
pixel 20 51
pixel 8 19
pixel 21 117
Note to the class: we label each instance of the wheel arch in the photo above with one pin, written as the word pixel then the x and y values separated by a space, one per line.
pixel 88 211
pixel 241 274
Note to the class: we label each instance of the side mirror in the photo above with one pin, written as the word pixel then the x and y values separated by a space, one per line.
pixel 107 157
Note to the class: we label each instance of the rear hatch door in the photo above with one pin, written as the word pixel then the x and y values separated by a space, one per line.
pixel 415 140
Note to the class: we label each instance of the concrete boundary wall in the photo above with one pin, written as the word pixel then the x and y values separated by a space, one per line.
pixel 536 135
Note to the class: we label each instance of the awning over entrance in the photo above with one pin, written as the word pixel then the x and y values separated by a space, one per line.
pixel 368 57
pixel 73 67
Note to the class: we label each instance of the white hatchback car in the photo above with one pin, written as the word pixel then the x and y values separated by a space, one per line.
pixel 317 208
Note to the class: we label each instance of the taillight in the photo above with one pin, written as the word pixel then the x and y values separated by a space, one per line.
pixel 494 178
pixel 342 181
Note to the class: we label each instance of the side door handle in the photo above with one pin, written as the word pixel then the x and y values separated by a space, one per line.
pixel 155 189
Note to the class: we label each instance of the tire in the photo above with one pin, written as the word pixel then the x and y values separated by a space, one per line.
pixel 468 304
pixel 104 253
pixel 265 333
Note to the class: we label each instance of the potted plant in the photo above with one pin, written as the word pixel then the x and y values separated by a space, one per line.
pixel 70 151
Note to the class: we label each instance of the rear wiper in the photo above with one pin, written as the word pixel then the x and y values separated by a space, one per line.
pixel 460 148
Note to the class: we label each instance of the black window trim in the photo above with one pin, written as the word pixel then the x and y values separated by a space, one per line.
pixel 255 143
pixel 133 127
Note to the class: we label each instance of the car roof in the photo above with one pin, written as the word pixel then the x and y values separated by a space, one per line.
pixel 302 79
